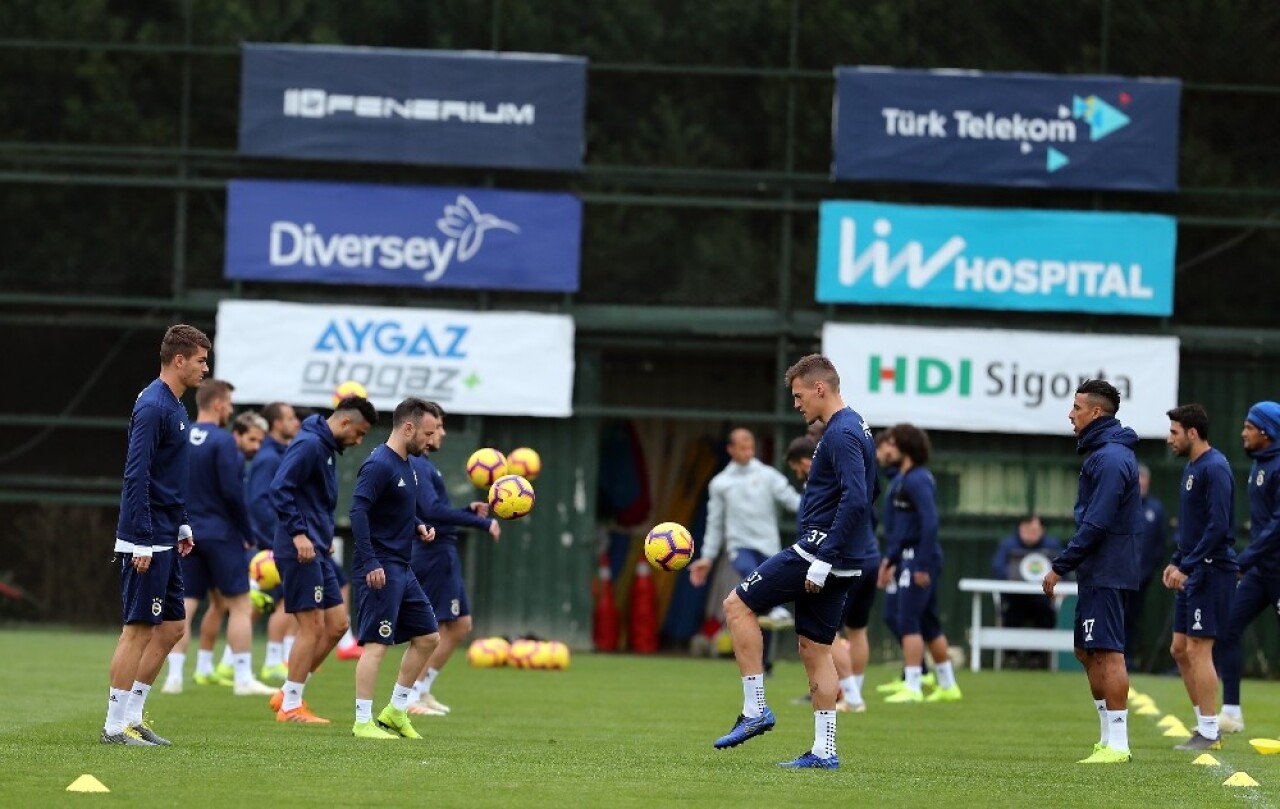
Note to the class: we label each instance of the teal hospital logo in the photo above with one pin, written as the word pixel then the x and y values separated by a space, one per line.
pixel 923 376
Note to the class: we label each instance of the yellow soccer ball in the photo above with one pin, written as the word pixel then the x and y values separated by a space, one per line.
pixel 263 570
pixel 348 389
pixel 487 653
pixel 521 654
pixel 485 466
pixel 559 656
pixel 524 462
pixel 511 497
pixel 668 546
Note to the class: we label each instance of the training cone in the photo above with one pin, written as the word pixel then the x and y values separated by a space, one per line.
pixel 1267 747
pixel 1205 760
pixel 1132 693
pixel 1240 779
pixel 1177 732
pixel 1168 721
pixel 87 783
pixel 1148 710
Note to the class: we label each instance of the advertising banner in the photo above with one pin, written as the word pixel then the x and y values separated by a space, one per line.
pixel 997 381
pixel 976 258
pixel 1024 129
pixel 341 233
pixel 491 363
pixel 388 105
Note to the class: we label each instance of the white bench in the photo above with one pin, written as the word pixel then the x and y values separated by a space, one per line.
pixel 1001 638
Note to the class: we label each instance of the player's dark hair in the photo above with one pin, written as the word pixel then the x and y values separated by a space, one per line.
pixel 410 411
pixel 1102 393
pixel 1191 417
pixel 814 368
pixel 360 406
pixel 273 412
pixel 247 421
pixel 212 391
pixel 435 409
pixel 800 448
pixel 1028 517
pixel 881 436
pixel 912 442
pixel 182 339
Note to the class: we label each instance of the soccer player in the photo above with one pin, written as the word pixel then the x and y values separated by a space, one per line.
pixel 742 514
pixel 153 522
pixel 216 569
pixel 835 541
pixel 391 606
pixel 305 493
pixel 1203 569
pixel 1104 553
pixel 438 566
pixel 1150 561
pixel 914 558
pixel 282 426
pixel 1259 586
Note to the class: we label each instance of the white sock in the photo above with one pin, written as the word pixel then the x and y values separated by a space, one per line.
pixel 292 695
pixel 243 662
pixel 117 704
pixel 138 700
pixel 227 656
pixel 914 674
pixel 288 646
pixel 204 662
pixel 400 696
pixel 429 678
pixel 753 703
pixel 1207 725
pixel 946 674
pixel 275 654
pixel 177 661
pixel 364 710
pixel 414 694
pixel 858 680
pixel 852 693
pixel 824 734
pixel 1117 729
pixel 1232 711
pixel 1105 737
pixel 347 639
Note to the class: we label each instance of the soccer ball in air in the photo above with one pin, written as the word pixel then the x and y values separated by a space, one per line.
pixel 524 462
pixel 348 389
pixel 510 497
pixel 487 653
pixel 485 466
pixel 263 570
pixel 668 546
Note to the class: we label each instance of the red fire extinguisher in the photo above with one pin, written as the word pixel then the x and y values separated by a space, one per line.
pixel 605 619
pixel 643 630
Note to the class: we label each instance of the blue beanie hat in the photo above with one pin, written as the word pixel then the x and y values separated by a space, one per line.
pixel 1266 417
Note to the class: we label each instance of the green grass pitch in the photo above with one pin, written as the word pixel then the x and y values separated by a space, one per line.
pixel 612 731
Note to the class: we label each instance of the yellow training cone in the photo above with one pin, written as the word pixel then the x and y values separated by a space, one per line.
pixel 1266 747
pixel 1168 721
pixel 87 783
pixel 1240 779
pixel 1178 732
pixel 1148 710
pixel 1132 693
pixel 1206 760
pixel 1141 699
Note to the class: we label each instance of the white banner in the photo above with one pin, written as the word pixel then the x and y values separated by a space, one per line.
pixel 991 380
pixel 492 363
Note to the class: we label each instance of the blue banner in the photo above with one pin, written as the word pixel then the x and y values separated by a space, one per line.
pixel 972 258
pixel 1022 129
pixel 340 233
pixel 405 106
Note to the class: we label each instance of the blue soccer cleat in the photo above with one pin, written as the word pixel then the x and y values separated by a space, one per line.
pixel 808 761
pixel 745 728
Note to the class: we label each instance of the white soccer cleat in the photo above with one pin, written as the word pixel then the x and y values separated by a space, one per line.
pixel 253 688
pixel 171 687
pixel 428 705
pixel 781 618
pixel 1230 724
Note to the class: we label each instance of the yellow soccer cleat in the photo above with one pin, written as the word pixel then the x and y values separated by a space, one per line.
pixel 905 695
pixel 370 730
pixel 397 721
pixel 951 694
pixel 1107 755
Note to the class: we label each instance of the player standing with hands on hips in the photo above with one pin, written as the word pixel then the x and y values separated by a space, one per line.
pixel 1105 554
pixel 835 542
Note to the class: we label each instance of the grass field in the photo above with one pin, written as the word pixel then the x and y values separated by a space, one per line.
pixel 611 731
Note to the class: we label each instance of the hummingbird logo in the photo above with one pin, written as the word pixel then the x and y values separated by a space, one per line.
pixel 464 222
